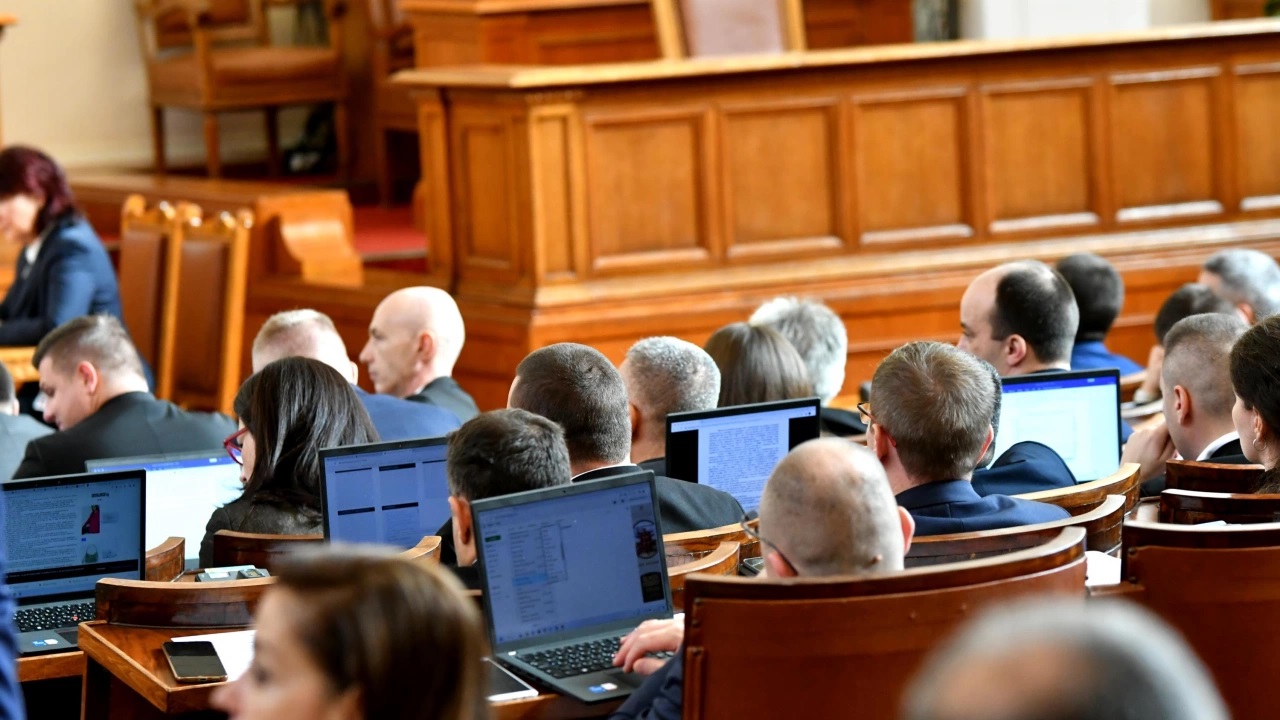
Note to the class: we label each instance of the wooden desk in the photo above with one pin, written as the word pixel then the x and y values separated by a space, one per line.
pixel 127 676
pixel 18 362
pixel 605 203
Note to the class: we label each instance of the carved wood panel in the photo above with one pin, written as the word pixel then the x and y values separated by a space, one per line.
pixel 1257 101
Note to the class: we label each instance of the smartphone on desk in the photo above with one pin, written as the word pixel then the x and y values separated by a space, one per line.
pixel 194 662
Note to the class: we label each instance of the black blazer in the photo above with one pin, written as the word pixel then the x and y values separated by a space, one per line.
pixel 952 506
pixel 840 422
pixel 1229 454
pixel 445 392
pixel 1025 467
pixel 131 424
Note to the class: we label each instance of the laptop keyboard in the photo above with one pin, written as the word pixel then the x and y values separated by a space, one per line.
pixel 57 616
pixel 580 659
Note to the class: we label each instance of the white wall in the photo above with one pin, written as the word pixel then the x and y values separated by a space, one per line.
pixel 72 83
pixel 1007 19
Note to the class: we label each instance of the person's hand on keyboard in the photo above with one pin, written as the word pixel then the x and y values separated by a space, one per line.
pixel 649 646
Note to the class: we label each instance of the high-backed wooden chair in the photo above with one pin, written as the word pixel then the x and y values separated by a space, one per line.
pixel 723 560
pixel 1080 499
pixel 393 110
pixel 167 560
pixel 686 546
pixel 1101 525
pixel 210 308
pixel 1211 477
pixel 1188 507
pixel 179 604
pixel 697 28
pixel 216 56
pixel 149 262
pixel 261 550
pixel 827 644
pixel 1218 586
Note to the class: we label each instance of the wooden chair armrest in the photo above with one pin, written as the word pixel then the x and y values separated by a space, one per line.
pixel 1123 590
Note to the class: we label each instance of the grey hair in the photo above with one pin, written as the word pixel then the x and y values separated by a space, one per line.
pixel 817 333
pixel 1248 276
pixel 299 333
pixel 672 375
pixel 1126 664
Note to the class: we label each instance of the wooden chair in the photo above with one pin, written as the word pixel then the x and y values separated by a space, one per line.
pixel 826 644
pixel 427 551
pixel 261 550
pixel 1130 383
pixel 1080 499
pixel 393 109
pixel 1218 586
pixel 721 561
pixel 179 604
pixel 698 28
pixel 167 560
pixel 1101 525
pixel 149 261
pixel 1188 507
pixel 694 544
pixel 210 292
pixel 215 56
pixel 1211 477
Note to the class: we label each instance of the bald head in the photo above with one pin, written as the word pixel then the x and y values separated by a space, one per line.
pixel 829 510
pixel 302 333
pixel 1021 317
pixel 415 337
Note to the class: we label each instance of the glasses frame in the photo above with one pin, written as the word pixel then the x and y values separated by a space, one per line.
pixel 753 533
pixel 232 445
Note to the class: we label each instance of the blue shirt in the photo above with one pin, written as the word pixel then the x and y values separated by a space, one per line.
pixel 1095 356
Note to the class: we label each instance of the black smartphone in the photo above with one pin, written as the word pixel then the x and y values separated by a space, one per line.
pixel 194 662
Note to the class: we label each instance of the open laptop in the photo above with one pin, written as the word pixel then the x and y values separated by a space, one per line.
pixel 391 493
pixel 183 490
pixel 62 535
pixel 1075 413
pixel 734 449
pixel 568 571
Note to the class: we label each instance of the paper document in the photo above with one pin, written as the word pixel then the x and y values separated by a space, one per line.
pixel 1100 569
pixel 235 649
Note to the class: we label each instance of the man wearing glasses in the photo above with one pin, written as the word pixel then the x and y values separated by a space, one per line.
pixel 826 510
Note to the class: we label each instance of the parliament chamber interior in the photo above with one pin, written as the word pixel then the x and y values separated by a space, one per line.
pixel 923 355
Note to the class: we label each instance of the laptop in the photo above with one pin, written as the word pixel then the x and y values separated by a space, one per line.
pixel 183 490
pixel 734 449
pixel 1075 413
pixel 567 571
pixel 62 535
pixel 391 493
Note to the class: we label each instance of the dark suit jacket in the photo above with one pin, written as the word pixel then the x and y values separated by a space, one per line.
pixel 10 694
pixel 657 466
pixel 661 697
pixel 952 506
pixel 684 506
pixel 445 392
pixel 72 276
pixel 397 419
pixel 468 575
pixel 1229 454
pixel 131 424
pixel 15 432
pixel 1025 467
pixel 840 422
pixel 1096 356
pixel 243 515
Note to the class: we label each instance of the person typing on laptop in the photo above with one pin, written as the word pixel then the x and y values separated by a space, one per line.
pixel 826 510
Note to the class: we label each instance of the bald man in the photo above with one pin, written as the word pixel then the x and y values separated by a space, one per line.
pixel 415 338
pixel 826 510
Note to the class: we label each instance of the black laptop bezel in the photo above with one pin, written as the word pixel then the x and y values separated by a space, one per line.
pixel 577 488
pixel 342 450
pixel 1058 376
pixel 751 409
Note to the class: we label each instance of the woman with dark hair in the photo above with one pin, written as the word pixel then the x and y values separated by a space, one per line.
pixel 63 271
pixel 288 411
pixel 757 364
pixel 349 635
pixel 1255 376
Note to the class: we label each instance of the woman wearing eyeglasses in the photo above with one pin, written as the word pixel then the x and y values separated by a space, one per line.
pixel 288 411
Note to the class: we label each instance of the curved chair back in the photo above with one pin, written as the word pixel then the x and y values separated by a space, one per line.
pixel 1211 477
pixel 180 604
pixel 686 546
pixel 427 551
pixel 1081 498
pixel 167 560
pixel 257 549
pixel 1187 507
pixel 723 560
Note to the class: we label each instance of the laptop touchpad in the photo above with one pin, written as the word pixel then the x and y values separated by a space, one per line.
pixel 71 635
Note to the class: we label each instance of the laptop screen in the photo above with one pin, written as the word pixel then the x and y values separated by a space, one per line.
pixel 572 559
pixel 183 490
pixel 1075 413
pixel 63 534
pixel 735 448
pixel 393 493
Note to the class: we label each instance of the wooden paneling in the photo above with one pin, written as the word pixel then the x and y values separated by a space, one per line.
pixel 1257 97
pixel 1237 9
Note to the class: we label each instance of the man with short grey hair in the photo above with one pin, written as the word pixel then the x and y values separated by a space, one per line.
pixel 1065 659
pixel 1249 279
pixel 665 375
pixel 819 335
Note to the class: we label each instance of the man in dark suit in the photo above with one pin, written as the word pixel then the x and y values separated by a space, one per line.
pixel 665 375
pixel 1025 467
pixel 578 387
pixel 819 335
pixel 415 337
pixel 494 454
pixel 97 397
pixel 931 407
pixel 311 334
pixel 1195 383
pixel 1099 293
pixel 16 430
pixel 826 510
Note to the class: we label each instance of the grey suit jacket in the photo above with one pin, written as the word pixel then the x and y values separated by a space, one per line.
pixel 15 432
